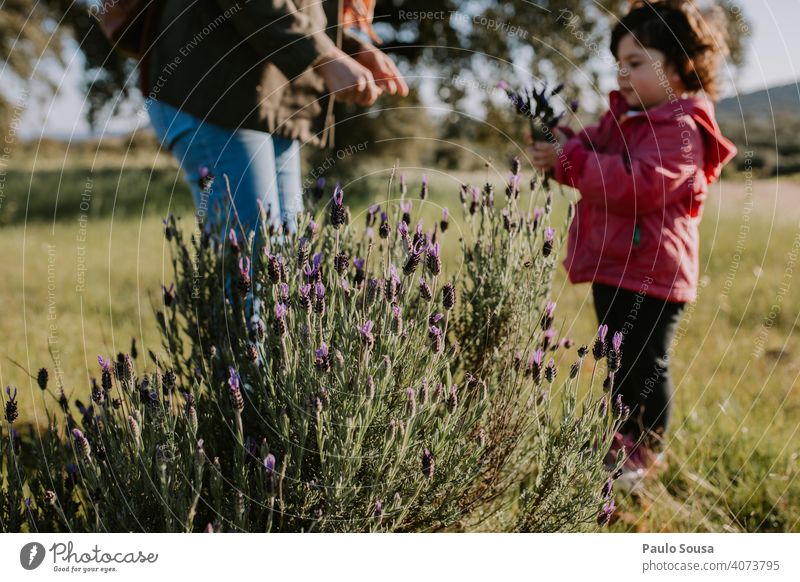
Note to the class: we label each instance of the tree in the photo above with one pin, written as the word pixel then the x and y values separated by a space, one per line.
pixel 457 46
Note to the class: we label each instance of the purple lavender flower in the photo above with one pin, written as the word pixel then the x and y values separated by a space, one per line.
pixel 402 229
pixel 423 194
pixel 372 212
pixel 516 166
pixel 345 286
pixel 169 294
pixel 305 297
pixel 621 408
pixel 435 318
pixel 322 358
pixel 377 511
pixel 608 486
pixel 392 284
pixel 244 275
pixel 105 365
pixel 338 215
pixel 536 217
pixel 12 411
pixel 280 319
pixel 414 258
pixel 319 189
pixel 436 338
pixel 366 334
pixel 234 241
pixel 475 200
pixel 283 290
pixel 384 229
pixel 275 269
pixel 405 208
pixel 97 395
pixel 452 398
pixel 548 339
pixel 411 402
pixel 41 378
pixel 599 346
pixel 374 288
pixel 616 341
pixel 82 443
pixel 370 388
pixel 206 179
pixel 550 371
pixel 613 358
pixel 425 290
pixel 434 261
pixel 488 192
pixel 507 224
pixel 428 463
pixel 444 223
pixel 512 188
pixel 547 317
pixel 448 296
pixel 234 381
pixel 419 233
pixel 547 247
pixel 340 262
pixel 319 298
pixel 397 319
pixel 462 194
pixel 359 266
pixel 244 266
pixel 403 185
pixel 604 518
pixel 134 426
pixel 311 229
pixel 535 364
pixel 269 465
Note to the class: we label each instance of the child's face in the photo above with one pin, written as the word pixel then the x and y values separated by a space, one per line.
pixel 644 78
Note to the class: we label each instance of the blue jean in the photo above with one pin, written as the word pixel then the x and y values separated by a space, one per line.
pixel 259 166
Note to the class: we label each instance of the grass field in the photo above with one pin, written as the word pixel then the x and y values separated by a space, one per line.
pixel 81 280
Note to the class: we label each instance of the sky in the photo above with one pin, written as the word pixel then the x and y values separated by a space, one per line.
pixel 773 58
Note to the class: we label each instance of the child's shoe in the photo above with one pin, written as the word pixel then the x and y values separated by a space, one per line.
pixel 641 461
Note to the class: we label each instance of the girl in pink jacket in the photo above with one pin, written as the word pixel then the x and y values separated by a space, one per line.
pixel 643 173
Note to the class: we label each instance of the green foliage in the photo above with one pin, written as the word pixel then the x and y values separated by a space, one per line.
pixel 317 392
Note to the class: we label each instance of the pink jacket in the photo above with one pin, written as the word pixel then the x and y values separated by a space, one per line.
pixel 643 177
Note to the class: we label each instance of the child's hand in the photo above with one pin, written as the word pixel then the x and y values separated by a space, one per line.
pixel 544 154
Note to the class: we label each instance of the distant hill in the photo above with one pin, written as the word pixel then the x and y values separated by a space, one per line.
pixel 777 101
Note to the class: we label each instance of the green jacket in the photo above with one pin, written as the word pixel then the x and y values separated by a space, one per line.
pixel 245 63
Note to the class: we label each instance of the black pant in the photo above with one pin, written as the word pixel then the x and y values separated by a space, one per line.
pixel 648 325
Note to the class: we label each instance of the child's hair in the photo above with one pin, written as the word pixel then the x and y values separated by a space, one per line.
pixel 693 41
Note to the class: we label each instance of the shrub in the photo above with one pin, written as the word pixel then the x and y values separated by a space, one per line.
pixel 337 381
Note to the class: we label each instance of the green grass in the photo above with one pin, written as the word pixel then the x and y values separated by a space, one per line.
pixel 733 444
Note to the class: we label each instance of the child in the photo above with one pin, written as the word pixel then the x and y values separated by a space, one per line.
pixel 643 173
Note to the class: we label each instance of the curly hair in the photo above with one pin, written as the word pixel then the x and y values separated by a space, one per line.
pixel 695 42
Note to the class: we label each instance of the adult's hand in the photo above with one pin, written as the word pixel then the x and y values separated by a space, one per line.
pixel 346 78
pixel 386 74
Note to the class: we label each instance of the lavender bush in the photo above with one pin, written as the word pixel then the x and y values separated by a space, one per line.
pixel 336 380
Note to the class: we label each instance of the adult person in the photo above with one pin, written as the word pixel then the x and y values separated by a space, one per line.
pixel 236 87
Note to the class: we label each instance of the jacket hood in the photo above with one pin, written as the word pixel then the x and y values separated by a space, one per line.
pixel 719 150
